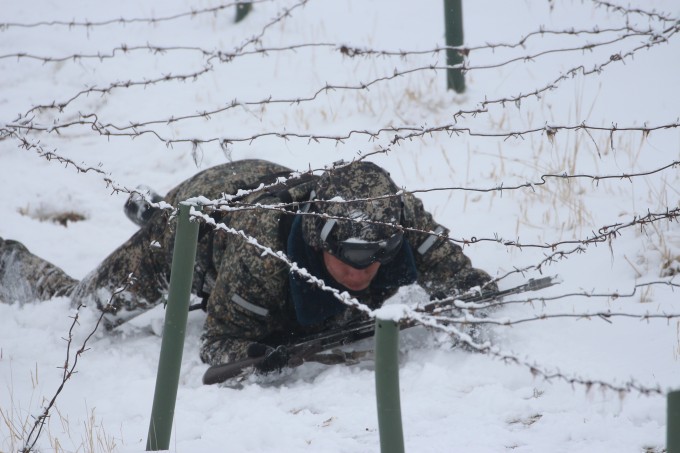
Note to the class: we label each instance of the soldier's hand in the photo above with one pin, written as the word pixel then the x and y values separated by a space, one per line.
pixel 275 359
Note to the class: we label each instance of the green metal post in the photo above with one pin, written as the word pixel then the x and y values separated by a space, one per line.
pixel 242 10
pixel 453 20
pixel 387 386
pixel 174 329
pixel 673 423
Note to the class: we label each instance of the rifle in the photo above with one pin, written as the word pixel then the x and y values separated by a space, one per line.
pixel 308 349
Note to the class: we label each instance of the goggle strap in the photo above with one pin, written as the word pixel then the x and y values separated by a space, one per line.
pixel 305 207
pixel 326 230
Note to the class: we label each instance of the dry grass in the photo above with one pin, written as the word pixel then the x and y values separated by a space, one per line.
pixel 45 213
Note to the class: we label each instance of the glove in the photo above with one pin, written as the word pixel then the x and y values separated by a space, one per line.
pixel 274 359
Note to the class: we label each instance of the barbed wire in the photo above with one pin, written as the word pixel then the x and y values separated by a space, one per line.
pixel 283 14
pixel 535 369
pixel 605 315
pixel 455 303
pixel 445 324
pixel 25 125
pixel 545 177
pixel 125 21
pixel 212 10
pixel 401 133
pixel 69 368
pixel 118 130
pixel 605 233
pixel 350 51
pixel 111 129
pixel 627 11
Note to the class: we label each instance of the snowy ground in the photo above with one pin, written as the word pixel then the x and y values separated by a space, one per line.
pixel 451 400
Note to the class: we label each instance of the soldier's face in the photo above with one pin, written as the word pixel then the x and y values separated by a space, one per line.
pixel 351 278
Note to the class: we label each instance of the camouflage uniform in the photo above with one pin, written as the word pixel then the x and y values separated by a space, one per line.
pixel 248 293
pixel 147 255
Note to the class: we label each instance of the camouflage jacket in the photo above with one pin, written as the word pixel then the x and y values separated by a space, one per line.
pixel 248 293
pixel 250 296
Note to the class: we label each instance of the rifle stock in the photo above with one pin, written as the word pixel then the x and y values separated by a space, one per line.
pixel 220 373
pixel 325 341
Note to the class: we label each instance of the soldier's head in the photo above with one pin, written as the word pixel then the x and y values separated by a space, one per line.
pixel 357 227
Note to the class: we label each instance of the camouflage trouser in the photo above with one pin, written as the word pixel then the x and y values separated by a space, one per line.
pixel 135 276
pixel 25 277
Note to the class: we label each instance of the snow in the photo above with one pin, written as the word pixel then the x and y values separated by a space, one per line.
pixel 452 399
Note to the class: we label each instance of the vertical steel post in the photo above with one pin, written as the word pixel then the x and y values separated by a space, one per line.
pixel 453 19
pixel 174 329
pixel 242 10
pixel 387 386
pixel 673 422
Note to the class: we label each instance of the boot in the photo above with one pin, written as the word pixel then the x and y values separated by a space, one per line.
pixel 25 277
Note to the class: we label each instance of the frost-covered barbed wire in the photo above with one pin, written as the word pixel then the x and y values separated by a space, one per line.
pixel 536 369
pixel 448 324
pixel 342 296
pixel 605 233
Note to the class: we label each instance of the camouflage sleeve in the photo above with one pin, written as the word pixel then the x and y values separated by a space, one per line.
pixel 442 266
pixel 250 289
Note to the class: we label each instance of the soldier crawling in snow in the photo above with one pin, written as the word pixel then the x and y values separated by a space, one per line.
pixel 254 303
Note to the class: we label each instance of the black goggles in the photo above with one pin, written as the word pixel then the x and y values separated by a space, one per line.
pixel 361 254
